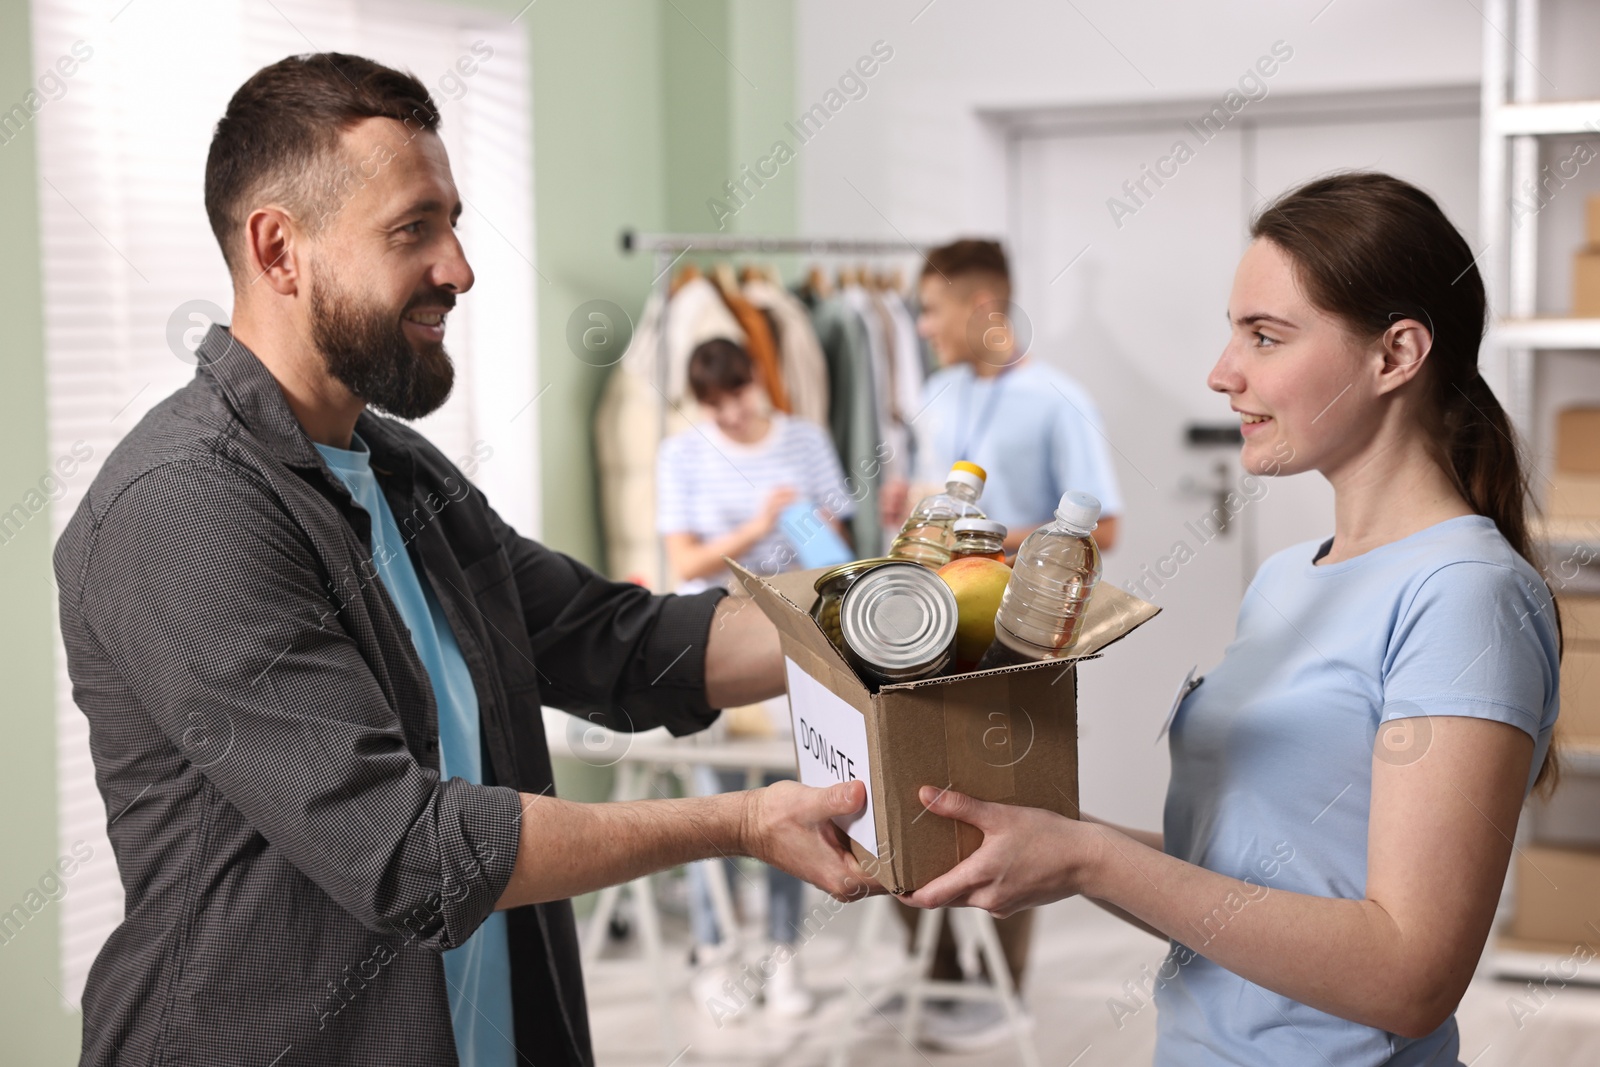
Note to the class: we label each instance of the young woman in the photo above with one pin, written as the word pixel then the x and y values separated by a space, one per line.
pixel 1346 782
pixel 721 488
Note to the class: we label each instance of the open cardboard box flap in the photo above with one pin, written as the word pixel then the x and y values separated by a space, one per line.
pixel 1007 735
pixel 1110 615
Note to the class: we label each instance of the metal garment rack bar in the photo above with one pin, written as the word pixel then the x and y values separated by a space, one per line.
pixel 728 242
pixel 668 248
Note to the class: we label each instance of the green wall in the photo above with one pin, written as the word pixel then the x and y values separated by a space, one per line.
pixel 37 1025
pixel 637 121
pixel 643 139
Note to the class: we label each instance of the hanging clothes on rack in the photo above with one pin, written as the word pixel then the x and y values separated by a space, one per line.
pixel 698 312
pixel 758 341
pixel 805 369
pixel 909 370
pixel 629 425
pixel 890 438
pixel 837 390
pixel 853 409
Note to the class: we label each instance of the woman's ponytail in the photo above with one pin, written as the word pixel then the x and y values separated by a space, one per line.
pixel 1484 458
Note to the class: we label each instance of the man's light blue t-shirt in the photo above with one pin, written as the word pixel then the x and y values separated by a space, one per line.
pixel 1033 430
pixel 1272 756
pixel 478 972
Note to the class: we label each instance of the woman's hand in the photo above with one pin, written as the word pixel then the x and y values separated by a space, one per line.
pixel 766 517
pixel 691 557
pixel 1028 857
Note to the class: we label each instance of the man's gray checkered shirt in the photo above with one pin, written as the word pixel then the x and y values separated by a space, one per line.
pixel 266 740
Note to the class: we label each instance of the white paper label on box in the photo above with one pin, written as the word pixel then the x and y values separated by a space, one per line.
pixel 830 738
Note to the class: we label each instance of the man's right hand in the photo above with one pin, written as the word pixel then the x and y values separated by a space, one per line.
pixel 790 826
pixel 787 825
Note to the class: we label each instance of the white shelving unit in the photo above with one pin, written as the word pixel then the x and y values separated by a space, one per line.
pixel 1532 335
pixel 1513 121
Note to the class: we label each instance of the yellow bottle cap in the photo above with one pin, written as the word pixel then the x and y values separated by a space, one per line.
pixel 970 468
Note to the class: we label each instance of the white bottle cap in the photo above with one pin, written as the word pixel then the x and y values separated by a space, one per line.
pixel 965 477
pixel 984 525
pixel 1079 512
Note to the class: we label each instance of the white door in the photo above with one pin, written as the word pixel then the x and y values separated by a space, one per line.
pixel 1132 305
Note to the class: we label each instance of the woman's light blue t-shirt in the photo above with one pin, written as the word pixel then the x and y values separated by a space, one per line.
pixel 477 972
pixel 1272 756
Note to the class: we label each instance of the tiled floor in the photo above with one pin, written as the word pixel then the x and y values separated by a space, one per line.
pixel 1081 959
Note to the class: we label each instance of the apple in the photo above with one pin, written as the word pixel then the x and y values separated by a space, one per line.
pixel 978 583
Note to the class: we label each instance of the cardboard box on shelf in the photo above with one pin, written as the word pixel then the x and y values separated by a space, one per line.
pixel 1008 735
pixel 1586 284
pixel 1570 495
pixel 1580 620
pixel 1578 440
pixel 1557 895
pixel 1592 220
pixel 1579 723
pixel 1566 818
pixel 1580 671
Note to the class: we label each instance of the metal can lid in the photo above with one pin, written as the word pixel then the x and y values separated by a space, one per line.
pixel 852 570
pixel 981 525
pixel 899 616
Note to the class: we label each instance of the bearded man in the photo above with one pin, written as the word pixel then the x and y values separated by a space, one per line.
pixel 313 658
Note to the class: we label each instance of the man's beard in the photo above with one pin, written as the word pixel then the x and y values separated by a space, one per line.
pixel 367 350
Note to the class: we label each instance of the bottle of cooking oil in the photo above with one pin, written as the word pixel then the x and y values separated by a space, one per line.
pixel 929 532
pixel 1056 569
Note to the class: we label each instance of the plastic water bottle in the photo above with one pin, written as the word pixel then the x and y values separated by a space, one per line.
pixel 1057 567
pixel 929 532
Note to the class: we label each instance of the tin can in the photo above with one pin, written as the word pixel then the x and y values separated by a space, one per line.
pixel 830 586
pixel 898 623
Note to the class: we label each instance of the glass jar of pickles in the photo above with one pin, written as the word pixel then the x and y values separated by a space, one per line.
pixel 830 586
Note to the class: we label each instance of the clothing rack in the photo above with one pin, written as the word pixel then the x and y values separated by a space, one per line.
pixel 668 248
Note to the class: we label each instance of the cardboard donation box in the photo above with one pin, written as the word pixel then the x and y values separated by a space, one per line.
pixel 1008 735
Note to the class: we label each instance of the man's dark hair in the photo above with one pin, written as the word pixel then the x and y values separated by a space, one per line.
pixel 718 367
pixel 279 139
pixel 971 258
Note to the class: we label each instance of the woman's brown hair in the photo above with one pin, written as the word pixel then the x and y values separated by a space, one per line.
pixel 1371 250
pixel 718 367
